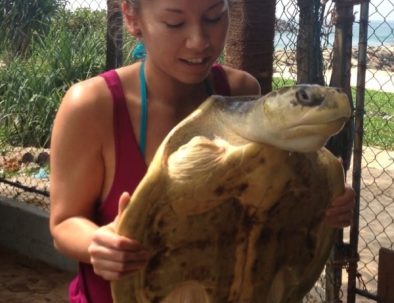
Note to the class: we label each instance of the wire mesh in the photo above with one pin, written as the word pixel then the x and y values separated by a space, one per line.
pixel 24 169
pixel 376 228
pixel 377 190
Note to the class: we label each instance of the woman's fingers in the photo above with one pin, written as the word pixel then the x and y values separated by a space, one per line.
pixel 114 256
pixel 106 244
pixel 340 212
pixel 111 270
pixel 339 221
pixel 131 253
pixel 112 263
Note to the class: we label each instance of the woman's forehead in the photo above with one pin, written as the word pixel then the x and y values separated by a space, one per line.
pixel 183 5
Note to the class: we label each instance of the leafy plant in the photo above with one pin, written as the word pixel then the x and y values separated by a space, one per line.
pixel 31 88
pixel 379 119
pixel 20 20
pixel 280 82
pixel 82 20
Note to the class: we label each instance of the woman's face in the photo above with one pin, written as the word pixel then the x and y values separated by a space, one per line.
pixel 183 37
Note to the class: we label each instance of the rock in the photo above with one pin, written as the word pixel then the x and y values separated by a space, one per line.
pixel 42 158
pixel 27 157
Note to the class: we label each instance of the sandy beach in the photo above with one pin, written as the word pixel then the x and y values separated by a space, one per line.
pixel 25 280
pixel 374 79
pixel 379 74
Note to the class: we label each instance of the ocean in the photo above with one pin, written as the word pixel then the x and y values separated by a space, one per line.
pixel 380 33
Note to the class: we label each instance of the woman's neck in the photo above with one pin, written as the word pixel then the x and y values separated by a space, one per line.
pixel 161 86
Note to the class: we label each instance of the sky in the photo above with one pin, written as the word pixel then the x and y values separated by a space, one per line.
pixel 92 4
pixel 378 9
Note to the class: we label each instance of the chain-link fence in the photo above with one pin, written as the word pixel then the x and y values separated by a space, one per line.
pixel 375 174
pixel 73 48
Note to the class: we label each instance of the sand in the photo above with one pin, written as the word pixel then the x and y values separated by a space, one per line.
pixel 23 280
pixel 379 74
pixel 374 79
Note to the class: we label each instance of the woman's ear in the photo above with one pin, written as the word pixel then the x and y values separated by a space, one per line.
pixel 131 20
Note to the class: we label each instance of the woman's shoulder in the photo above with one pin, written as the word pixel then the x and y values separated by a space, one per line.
pixel 95 90
pixel 241 82
pixel 86 93
pixel 86 106
pixel 92 99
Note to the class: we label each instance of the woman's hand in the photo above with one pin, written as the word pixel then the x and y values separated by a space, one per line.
pixel 340 212
pixel 114 256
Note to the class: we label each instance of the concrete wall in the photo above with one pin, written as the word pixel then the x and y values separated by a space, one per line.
pixel 25 229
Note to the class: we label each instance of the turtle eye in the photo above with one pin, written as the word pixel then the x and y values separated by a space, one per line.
pixel 308 99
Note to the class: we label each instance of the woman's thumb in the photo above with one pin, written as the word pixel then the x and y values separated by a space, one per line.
pixel 123 202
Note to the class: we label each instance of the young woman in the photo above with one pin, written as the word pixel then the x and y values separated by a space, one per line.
pixel 103 138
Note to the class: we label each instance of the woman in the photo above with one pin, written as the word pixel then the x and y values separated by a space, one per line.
pixel 103 139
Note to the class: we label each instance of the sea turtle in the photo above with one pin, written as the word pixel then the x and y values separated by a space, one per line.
pixel 232 205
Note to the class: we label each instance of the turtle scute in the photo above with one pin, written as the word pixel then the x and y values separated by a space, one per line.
pixel 230 218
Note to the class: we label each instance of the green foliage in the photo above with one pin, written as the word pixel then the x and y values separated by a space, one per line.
pixel 25 104
pixel 379 119
pixel 20 20
pixel 31 88
pixel 280 82
pixel 82 21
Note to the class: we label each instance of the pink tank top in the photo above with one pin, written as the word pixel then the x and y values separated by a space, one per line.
pixel 130 168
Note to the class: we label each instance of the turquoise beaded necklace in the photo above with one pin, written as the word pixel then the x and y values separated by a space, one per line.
pixel 144 108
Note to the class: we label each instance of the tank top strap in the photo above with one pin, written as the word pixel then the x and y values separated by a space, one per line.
pixel 129 163
pixel 114 85
pixel 122 124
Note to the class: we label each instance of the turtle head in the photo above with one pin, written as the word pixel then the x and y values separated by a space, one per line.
pixel 303 117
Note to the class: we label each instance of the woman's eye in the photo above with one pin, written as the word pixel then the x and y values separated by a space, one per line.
pixel 173 25
pixel 213 20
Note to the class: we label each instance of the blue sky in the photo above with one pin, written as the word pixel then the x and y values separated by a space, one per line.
pixel 378 9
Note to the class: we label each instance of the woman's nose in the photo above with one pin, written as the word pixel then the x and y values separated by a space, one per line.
pixel 197 39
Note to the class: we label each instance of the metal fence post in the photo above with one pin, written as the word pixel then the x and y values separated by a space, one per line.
pixel 341 144
pixel 358 144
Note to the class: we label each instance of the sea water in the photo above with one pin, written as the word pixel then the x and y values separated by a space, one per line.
pixel 380 33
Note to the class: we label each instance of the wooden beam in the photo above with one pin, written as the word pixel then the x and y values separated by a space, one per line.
pixel 386 276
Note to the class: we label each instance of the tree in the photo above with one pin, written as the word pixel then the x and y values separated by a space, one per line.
pixel 309 55
pixel 310 70
pixel 250 44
